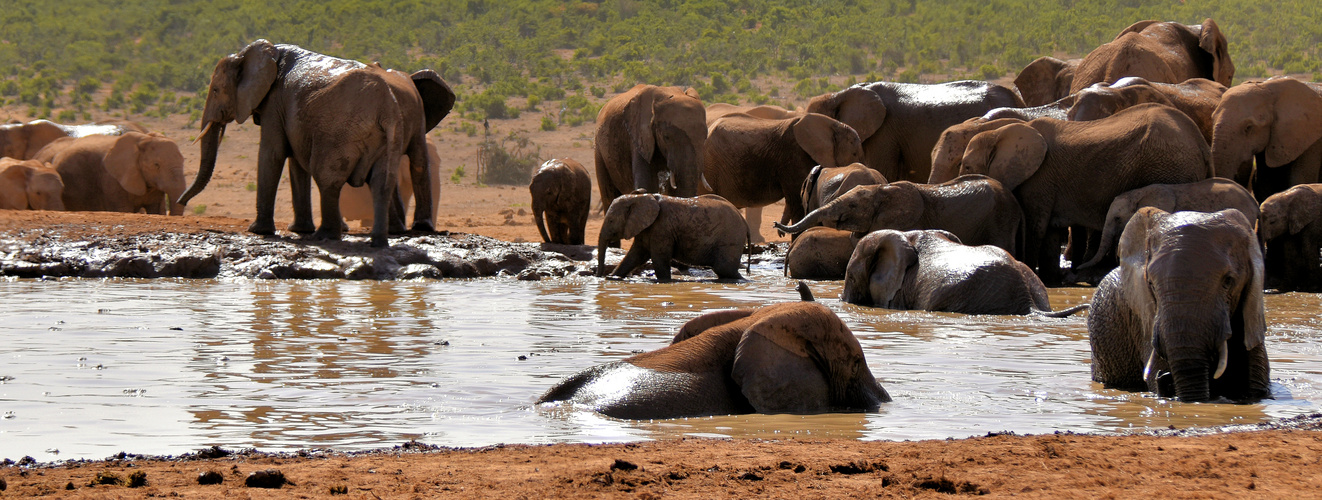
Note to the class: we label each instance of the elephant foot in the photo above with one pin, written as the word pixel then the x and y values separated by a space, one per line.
pixel 264 228
pixel 395 227
pixel 324 234
pixel 380 241
pixel 299 227
pixel 424 226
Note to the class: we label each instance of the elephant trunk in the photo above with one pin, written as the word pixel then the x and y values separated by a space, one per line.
pixel 1110 235
pixel 211 136
pixel 604 241
pixel 814 218
pixel 1191 378
pixel 1229 161
pixel 537 215
pixel 1194 343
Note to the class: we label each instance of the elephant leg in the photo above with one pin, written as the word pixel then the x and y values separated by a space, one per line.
pixel 271 156
pixel 753 217
pixel 420 173
pixel 636 256
pixel 1048 261
pixel 396 207
pixel 644 176
pixel 300 189
pixel 661 262
pixel 382 180
pixel 577 228
pixel 332 223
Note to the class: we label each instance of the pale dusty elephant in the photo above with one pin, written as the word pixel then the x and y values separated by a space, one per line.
pixel 336 121
pixel 645 132
pixel 1196 97
pixel 825 184
pixel 1277 122
pixel 1159 52
pixel 1290 225
pixel 24 140
pixel 702 231
pixel 820 253
pixel 1045 80
pixel 796 357
pixel 933 271
pixel 356 202
pixel 124 173
pixel 1183 314
pixel 561 199
pixel 30 185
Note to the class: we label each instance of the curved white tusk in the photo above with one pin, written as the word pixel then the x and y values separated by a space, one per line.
pixel 1147 367
pixel 1221 363
pixel 204 132
pixel 705 185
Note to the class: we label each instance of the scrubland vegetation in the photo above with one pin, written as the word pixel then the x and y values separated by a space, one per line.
pixel 62 58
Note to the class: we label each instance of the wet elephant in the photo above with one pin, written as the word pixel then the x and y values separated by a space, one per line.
pixel 702 231
pixel 824 184
pixel 645 132
pixel 820 253
pixel 1290 226
pixel 1045 80
pixel 356 202
pixel 1196 97
pixel 561 193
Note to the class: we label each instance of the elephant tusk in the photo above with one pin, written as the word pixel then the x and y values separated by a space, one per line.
pixel 1224 355
pixel 204 132
pixel 1147 367
pixel 705 185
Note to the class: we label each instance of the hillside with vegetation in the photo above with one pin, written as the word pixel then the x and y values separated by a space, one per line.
pixel 150 57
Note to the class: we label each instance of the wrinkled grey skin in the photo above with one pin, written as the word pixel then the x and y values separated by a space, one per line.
pixel 824 184
pixel 793 357
pixel 701 231
pixel 933 271
pixel 1183 314
pixel 645 132
pixel 900 122
pixel 561 199
pixel 1045 80
pixel 820 253
pixel 975 208
pixel 1196 97
pixel 1290 225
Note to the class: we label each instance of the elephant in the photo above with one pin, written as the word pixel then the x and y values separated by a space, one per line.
pixel 824 184
pixel 702 231
pixel 794 357
pixel 1208 195
pixel 754 162
pixel 561 198
pixel 1056 109
pixel 124 173
pixel 820 253
pixel 644 132
pixel 1159 52
pixel 1289 225
pixel 948 153
pixel 1196 97
pixel 976 208
pixel 1183 314
pixel 336 121
pixel 1046 80
pixel 24 140
pixel 356 202
pixel 931 270
pixel 1065 174
pixel 768 111
pixel 1279 123
pixel 900 122
pixel 30 185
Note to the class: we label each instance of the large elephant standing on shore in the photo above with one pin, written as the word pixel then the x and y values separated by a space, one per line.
pixel 645 131
pixel 1159 52
pixel 900 122
pixel 1278 123
pixel 336 121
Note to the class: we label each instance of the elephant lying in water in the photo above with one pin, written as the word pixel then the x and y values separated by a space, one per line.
pixel 796 357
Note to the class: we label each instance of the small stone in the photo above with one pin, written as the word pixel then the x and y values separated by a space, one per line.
pixel 625 465
pixel 210 477
pixel 269 478
pixel 523 358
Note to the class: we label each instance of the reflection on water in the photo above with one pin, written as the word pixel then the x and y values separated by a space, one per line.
pixel 92 367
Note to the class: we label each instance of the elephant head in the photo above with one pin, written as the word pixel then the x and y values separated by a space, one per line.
pixel 878 267
pixel 626 218
pixel 829 142
pixel 858 107
pixel 1288 212
pixel 948 154
pixel 1195 281
pixel 1045 80
pixel 30 185
pixel 1010 154
pixel 1274 121
pixel 669 127
pixel 140 162
pixel 238 86
pixel 23 140
pixel 1102 99
pixel 1161 52
pixel 866 208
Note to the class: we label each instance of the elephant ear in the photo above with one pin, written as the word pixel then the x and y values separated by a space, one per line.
pixel 1303 207
pixel 1298 123
pixel 860 108
pixel 815 135
pixel 1250 299
pixel 1211 40
pixel 15 187
pixel 1037 82
pixel 121 162
pixel 255 80
pixel 692 92
pixel 787 360
pixel 642 212
pixel 1010 154
pixel 877 268
pixel 639 124
pixel 1137 27
pixel 437 96
pixel 700 324
pixel 1134 251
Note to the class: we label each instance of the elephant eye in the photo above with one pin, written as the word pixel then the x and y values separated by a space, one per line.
pixel 1228 281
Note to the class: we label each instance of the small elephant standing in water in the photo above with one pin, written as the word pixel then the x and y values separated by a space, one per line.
pixel 701 231
pixel 1183 314
pixel 820 253
pixel 561 198
pixel 932 271
pixel 1290 226
pixel 29 185
pixel 796 357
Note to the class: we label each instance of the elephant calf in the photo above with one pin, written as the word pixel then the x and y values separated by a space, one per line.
pixel 30 185
pixel 1183 314
pixel 796 357
pixel 828 183
pixel 933 271
pixel 1290 226
pixel 561 198
pixel 701 231
pixel 820 253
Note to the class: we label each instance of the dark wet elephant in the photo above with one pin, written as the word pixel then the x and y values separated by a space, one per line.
pixel 702 231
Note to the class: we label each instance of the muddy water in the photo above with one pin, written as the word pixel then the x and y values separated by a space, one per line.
pixel 92 367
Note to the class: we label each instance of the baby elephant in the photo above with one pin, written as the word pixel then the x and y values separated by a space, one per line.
pixel 828 183
pixel 701 231
pixel 1183 314
pixel 933 271
pixel 796 357
pixel 29 185
pixel 561 198
pixel 820 253
pixel 1291 228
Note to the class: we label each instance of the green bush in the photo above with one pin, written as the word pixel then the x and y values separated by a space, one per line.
pixel 548 124
pixel 510 161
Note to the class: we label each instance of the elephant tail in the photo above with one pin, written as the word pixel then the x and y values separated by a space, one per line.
pixel 1061 313
pixel 748 242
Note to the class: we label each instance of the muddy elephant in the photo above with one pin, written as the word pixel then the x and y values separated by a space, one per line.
pixel 796 357
pixel 932 271
pixel 1183 314
pixel 824 184
pixel 1278 122
pixel 900 122
pixel 948 153
pixel 975 208
pixel 30 185
pixel 820 253
pixel 356 202
pixel 24 140
pixel 753 162
pixel 561 199
pixel 1196 97
pixel 1066 174
pixel 1208 195
pixel 702 231
pixel 1290 225
pixel 1159 52
pixel 336 121
pixel 124 173
pixel 1045 80
pixel 645 132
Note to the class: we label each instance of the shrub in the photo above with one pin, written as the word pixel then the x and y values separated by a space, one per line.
pixel 458 174
pixel 547 123
pixel 199 209
pixel 66 116
pixel 511 161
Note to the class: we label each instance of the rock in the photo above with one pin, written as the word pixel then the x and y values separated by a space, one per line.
pixel 210 477
pixel 416 271
pixel 269 478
